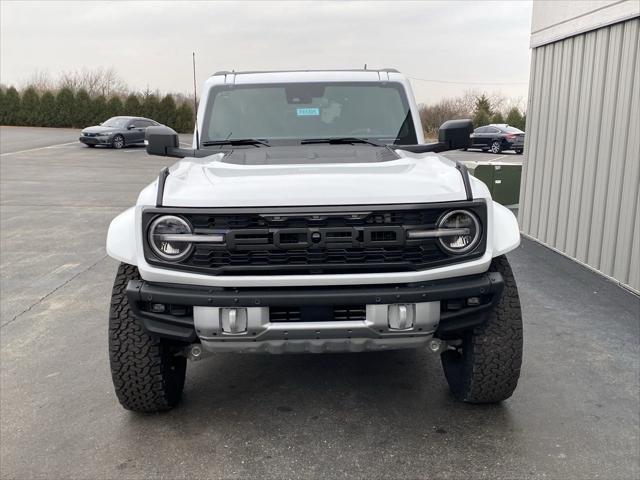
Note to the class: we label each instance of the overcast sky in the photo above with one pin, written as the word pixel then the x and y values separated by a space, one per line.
pixel 482 45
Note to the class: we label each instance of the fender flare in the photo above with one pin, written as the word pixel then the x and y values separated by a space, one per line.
pixel 506 233
pixel 121 238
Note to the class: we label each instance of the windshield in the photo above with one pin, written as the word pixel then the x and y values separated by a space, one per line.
pixel 291 113
pixel 116 122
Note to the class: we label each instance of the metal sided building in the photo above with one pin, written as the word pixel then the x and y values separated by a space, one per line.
pixel 580 190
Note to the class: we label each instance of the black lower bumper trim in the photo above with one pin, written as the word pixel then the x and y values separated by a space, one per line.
pixel 92 141
pixel 488 286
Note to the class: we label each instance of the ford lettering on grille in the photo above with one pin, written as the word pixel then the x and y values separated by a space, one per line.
pixel 314 238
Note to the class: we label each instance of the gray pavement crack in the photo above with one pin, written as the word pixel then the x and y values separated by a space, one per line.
pixel 43 298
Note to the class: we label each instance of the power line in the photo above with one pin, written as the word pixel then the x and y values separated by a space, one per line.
pixel 450 82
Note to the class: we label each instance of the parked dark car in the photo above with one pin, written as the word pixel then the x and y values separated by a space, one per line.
pixel 117 132
pixel 498 137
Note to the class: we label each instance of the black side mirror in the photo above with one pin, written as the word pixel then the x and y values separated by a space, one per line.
pixel 164 142
pixel 160 139
pixel 454 134
pixel 131 127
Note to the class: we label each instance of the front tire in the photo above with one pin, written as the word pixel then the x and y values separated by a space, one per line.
pixel 90 145
pixel 117 142
pixel 495 147
pixel 486 366
pixel 147 373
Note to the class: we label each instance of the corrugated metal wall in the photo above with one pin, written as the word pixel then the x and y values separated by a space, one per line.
pixel 580 191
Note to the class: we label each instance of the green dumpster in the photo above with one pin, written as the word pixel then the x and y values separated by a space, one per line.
pixel 503 180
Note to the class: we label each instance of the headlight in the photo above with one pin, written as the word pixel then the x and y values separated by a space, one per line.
pixel 164 238
pixel 105 134
pixel 465 231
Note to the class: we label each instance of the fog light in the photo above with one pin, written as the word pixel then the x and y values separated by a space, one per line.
pixel 401 316
pixel 473 301
pixel 234 320
pixel 158 307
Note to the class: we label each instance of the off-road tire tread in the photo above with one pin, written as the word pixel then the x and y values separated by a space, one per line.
pixel 489 369
pixel 146 374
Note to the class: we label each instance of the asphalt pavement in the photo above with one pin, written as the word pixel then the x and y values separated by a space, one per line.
pixel 575 414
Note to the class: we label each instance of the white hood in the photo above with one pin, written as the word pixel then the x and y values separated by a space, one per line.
pixel 412 178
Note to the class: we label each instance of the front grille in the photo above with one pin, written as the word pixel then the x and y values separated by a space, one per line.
pixel 318 240
pixel 317 314
pixel 299 220
pixel 359 260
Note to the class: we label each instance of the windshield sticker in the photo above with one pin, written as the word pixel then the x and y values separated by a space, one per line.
pixel 308 112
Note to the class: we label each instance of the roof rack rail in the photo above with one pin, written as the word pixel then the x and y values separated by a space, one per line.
pixel 227 72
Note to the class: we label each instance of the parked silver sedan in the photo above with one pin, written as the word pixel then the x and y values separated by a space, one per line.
pixel 117 132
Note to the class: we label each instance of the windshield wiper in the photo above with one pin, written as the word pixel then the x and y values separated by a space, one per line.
pixel 236 141
pixel 342 140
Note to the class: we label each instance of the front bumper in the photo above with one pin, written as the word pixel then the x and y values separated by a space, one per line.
pixel 441 309
pixel 95 140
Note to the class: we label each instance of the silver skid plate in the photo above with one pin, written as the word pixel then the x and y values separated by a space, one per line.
pixel 261 335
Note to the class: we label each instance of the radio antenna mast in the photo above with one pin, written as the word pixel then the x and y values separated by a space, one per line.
pixel 195 101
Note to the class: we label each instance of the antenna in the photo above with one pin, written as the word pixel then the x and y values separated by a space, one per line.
pixel 195 101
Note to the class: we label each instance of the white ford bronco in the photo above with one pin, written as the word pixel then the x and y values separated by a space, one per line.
pixel 311 216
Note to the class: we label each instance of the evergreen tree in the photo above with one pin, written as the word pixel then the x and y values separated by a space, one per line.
pixel 481 118
pixel 184 119
pixel 150 106
pixel 167 111
pixel 98 110
pixel 132 106
pixel 3 107
pixel 83 109
pixel 29 107
pixel 11 107
pixel 515 118
pixel 47 110
pixel 497 118
pixel 114 107
pixel 483 103
pixel 65 108
pixel 483 112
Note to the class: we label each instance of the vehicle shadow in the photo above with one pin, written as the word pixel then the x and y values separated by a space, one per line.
pixel 110 148
pixel 503 152
pixel 404 391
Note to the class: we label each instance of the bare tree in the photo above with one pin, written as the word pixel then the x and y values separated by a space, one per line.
pixel 40 80
pixel 110 83
pixel 499 102
pixel 432 116
pixel 515 102
pixel 465 106
pixel 99 81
